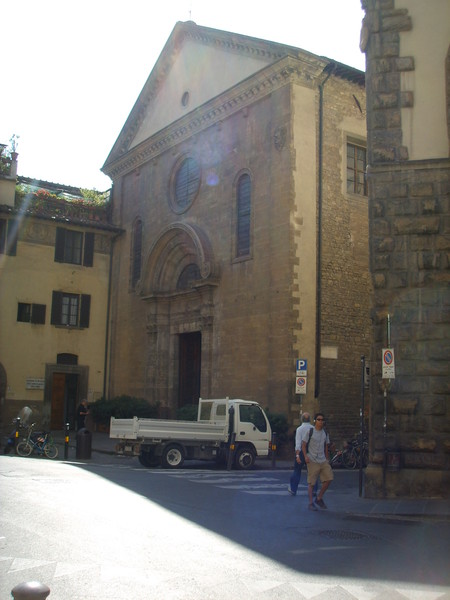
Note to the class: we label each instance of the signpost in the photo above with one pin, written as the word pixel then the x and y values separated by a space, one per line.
pixel 388 363
pixel 301 373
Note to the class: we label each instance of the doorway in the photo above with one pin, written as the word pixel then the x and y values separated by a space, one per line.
pixel 190 359
pixel 64 398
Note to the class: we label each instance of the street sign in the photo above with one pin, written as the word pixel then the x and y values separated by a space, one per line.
pixel 302 367
pixel 388 360
pixel 300 385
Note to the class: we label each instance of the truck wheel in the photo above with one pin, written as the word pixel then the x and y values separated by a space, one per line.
pixel 245 458
pixel 172 457
pixel 148 459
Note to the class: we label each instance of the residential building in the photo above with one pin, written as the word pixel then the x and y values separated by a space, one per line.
pixel 54 275
pixel 408 114
pixel 239 180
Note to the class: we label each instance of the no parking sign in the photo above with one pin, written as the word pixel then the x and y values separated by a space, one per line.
pixel 300 385
pixel 388 363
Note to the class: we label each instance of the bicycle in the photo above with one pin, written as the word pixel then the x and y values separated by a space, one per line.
pixel 40 442
pixel 336 457
pixel 351 456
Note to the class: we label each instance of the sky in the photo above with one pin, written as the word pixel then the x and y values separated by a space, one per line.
pixel 72 71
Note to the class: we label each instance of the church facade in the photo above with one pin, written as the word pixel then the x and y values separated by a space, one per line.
pixel 239 180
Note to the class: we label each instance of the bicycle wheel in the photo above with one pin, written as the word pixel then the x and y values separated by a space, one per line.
pixel 50 451
pixel 349 459
pixel 24 448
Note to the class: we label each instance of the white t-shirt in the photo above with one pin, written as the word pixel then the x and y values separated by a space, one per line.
pixel 316 448
pixel 300 433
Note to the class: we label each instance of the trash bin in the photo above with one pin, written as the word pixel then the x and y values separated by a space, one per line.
pixel 84 443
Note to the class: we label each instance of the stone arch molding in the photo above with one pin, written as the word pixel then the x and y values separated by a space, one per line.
pixel 179 245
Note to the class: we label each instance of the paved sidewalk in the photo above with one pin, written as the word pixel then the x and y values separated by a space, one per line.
pixel 344 500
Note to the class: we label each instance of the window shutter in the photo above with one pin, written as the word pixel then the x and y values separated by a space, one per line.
pixel 2 236
pixel 38 314
pixel 85 310
pixel 59 244
pixel 11 237
pixel 88 259
pixel 56 308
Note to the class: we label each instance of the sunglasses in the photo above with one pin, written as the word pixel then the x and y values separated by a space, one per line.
pixel 320 419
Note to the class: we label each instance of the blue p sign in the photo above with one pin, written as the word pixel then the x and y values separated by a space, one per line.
pixel 302 364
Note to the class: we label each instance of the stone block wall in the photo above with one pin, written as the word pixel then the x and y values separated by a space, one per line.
pixel 409 260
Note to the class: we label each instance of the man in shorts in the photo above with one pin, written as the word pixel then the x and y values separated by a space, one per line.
pixel 315 450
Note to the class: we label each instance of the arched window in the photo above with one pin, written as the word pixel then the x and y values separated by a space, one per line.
pixel 136 253
pixel 186 184
pixel 189 274
pixel 243 197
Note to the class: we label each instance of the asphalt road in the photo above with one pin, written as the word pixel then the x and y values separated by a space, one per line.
pixel 117 530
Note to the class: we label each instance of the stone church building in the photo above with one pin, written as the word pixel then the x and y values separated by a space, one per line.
pixel 239 179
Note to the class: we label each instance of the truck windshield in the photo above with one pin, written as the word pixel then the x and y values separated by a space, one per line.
pixel 250 413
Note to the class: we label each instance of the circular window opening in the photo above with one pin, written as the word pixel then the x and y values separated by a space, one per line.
pixel 185 99
pixel 186 184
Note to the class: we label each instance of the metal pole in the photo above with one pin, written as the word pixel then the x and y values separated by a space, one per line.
pixel 388 326
pixel 66 442
pixel 231 451
pixel 361 425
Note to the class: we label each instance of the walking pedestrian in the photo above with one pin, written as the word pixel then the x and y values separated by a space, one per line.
pixel 315 450
pixel 299 460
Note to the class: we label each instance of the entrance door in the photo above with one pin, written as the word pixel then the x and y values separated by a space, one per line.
pixel 64 399
pixel 189 368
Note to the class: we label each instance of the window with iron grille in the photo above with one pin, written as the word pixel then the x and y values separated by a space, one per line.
pixel 189 274
pixel 356 169
pixel 186 183
pixel 243 193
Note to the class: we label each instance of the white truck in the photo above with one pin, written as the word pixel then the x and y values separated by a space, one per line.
pixel 226 429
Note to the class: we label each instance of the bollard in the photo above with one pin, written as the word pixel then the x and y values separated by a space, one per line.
pixel 66 442
pixel 30 590
pixel 273 449
pixel 231 450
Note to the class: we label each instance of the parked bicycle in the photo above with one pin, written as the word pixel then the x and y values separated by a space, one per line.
pixel 352 454
pixel 20 429
pixel 336 457
pixel 40 442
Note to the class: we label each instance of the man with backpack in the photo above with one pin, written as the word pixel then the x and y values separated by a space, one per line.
pixel 315 450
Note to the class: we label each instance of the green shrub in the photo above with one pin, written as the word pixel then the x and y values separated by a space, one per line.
pixel 279 425
pixel 122 407
pixel 188 412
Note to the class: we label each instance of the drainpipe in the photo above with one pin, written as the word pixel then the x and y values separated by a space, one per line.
pixel 108 307
pixel 319 235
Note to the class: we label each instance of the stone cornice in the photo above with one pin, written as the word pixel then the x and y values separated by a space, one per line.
pixel 303 70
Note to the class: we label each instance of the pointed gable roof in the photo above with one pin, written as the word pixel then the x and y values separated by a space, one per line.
pixel 196 65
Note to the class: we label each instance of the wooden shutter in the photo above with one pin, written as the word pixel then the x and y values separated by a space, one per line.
pixel 88 258
pixel 56 308
pixel 59 244
pixel 11 237
pixel 38 314
pixel 85 310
